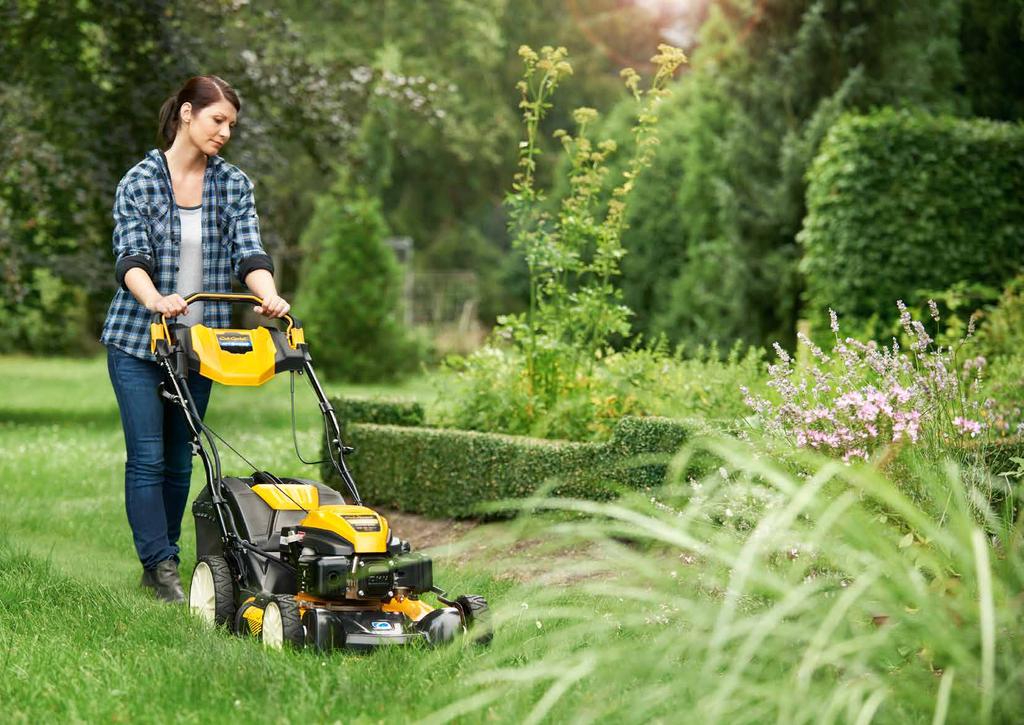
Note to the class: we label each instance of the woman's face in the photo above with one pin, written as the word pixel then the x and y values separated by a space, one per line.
pixel 210 128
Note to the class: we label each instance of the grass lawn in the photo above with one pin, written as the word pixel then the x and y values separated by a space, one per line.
pixel 754 595
pixel 79 641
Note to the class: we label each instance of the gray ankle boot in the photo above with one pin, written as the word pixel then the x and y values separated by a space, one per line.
pixel 163 579
pixel 147 582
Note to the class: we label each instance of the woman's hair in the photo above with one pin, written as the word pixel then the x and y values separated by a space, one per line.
pixel 200 91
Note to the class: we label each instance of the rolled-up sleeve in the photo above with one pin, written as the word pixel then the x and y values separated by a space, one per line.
pixel 247 253
pixel 132 246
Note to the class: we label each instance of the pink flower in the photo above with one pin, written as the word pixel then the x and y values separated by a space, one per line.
pixel 852 399
pixel 966 425
pixel 906 423
pixel 923 340
pixel 868 412
pixel 815 350
pixel 901 394
pixel 855 397
pixel 855 453
pixel 978 362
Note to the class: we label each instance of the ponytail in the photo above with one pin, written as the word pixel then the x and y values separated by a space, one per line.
pixel 167 126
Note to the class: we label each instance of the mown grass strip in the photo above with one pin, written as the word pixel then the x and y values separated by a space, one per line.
pixel 74 650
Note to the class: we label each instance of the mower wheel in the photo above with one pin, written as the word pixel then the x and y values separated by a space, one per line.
pixel 211 594
pixel 477 616
pixel 282 623
pixel 441 625
pixel 244 624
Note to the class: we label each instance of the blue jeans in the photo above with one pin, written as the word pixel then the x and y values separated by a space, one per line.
pixel 158 467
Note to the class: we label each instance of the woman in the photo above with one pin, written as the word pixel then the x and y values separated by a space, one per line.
pixel 184 221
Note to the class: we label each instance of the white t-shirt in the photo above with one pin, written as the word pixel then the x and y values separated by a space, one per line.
pixel 190 265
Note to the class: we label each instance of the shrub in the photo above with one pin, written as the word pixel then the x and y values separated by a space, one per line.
pixel 899 202
pixel 348 297
pixel 1002 411
pixel 705 385
pixel 488 391
pixel 49 317
pixel 573 256
pixel 1001 329
pixel 699 268
pixel 444 472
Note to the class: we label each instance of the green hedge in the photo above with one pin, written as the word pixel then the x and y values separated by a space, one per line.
pixel 378 410
pixel 446 472
pixel 899 202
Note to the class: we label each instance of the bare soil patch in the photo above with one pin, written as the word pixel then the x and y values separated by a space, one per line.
pixel 426 533
pixel 494 544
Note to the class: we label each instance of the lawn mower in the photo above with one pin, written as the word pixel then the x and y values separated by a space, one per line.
pixel 289 560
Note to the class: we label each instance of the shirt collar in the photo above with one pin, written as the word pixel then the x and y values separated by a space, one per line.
pixel 160 159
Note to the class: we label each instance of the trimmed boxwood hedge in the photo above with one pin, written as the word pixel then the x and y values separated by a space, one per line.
pixel 379 410
pixel 446 472
pixel 899 202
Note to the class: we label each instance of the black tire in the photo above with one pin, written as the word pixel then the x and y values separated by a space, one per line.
pixel 282 623
pixel 477 617
pixel 211 593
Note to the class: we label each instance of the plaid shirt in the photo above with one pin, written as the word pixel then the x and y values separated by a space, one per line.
pixel 147 234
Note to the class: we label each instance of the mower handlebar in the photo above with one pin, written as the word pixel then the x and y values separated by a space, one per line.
pixel 230 297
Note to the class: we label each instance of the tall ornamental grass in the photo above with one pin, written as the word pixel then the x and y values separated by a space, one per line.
pixel 757 595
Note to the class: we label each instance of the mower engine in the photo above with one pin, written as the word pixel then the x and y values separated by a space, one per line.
pixel 324 574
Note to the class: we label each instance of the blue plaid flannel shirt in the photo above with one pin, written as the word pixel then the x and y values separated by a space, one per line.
pixel 147 234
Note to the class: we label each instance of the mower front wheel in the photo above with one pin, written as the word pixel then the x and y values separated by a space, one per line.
pixel 211 594
pixel 282 623
pixel 477 617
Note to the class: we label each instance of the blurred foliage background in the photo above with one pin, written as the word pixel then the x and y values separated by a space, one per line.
pixel 414 106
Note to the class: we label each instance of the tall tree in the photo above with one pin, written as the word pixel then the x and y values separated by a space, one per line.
pixel 77 80
pixel 714 255
pixel 992 52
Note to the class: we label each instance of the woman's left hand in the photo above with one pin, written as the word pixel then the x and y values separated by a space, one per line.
pixel 273 306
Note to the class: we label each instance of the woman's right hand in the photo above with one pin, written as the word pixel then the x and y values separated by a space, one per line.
pixel 169 306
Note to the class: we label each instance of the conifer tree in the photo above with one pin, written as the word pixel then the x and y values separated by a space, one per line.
pixel 349 298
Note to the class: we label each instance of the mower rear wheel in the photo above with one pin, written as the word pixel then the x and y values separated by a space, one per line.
pixel 211 594
pixel 282 623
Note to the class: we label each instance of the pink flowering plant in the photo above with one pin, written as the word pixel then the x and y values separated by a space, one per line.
pixel 862 396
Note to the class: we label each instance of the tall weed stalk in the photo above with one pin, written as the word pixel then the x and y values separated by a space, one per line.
pixel 573 258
